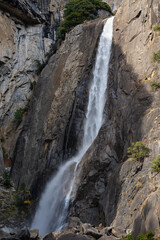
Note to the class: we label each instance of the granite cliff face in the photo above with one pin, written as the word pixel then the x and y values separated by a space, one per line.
pixel 111 192
pixel 110 188
pixel 54 121
pixel 27 36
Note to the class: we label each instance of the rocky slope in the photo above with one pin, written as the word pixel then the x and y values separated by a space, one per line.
pixel 111 192
pixel 82 232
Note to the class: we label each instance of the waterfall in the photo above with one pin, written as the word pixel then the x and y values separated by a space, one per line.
pixel 53 206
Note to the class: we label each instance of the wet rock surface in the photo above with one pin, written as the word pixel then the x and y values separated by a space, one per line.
pixel 111 192
pixel 57 106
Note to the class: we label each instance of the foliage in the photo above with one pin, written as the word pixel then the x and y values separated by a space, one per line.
pixel 77 11
pixel 156 28
pixel 5 154
pixel 128 237
pixel 40 66
pixel 22 196
pixel 155 85
pixel 156 164
pixel 15 203
pixel 18 116
pixel 137 151
pixel 6 179
pixel 32 85
pixel 140 237
pixel 147 236
pixel 156 57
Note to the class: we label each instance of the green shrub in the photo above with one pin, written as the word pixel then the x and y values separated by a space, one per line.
pixel 22 196
pixel 18 116
pixel 40 66
pixel 156 57
pixel 156 28
pixel 5 154
pixel 147 236
pixel 128 237
pixel 140 237
pixel 156 164
pixel 77 11
pixel 6 179
pixel 155 85
pixel 137 151
pixel 32 85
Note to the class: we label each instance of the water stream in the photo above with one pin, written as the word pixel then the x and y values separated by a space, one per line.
pixel 52 211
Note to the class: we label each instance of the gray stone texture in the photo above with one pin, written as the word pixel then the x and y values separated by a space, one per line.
pixel 27 34
pixel 111 192
pixel 56 113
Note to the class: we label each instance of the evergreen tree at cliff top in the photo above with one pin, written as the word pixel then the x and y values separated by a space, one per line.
pixel 77 11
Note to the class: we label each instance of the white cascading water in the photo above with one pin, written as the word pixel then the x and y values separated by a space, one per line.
pixel 53 206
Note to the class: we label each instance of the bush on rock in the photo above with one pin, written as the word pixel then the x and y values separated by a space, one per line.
pixel 77 11
pixel 156 164
pixel 138 151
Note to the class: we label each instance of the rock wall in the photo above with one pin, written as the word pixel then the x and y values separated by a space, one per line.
pixel 56 112
pixel 110 188
pixel 114 4
pixel 1 161
pixel 22 47
pixel 109 191
pixel 23 11
pixel 27 36
pixel 138 202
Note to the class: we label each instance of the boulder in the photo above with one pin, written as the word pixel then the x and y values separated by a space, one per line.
pixel 91 231
pixel 75 223
pixel 4 235
pixel 49 236
pixel 105 237
pixel 34 234
pixel 119 232
pixel 23 235
pixel 72 236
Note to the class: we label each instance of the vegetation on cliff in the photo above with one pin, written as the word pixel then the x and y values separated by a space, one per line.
pixel 6 179
pixel 137 151
pixel 148 236
pixel 77 11
pixel 18 115
pixel 156 164
pixel 155 85
pixel 156 28
pixel 156 57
